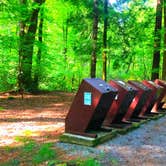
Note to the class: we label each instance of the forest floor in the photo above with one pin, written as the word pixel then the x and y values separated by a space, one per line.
pixel 41 118
pixel 35 117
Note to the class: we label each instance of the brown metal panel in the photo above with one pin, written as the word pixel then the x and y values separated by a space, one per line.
pixel 162 98
pixel 135 109
pixel 118 109
pixel 154 98
pixel 89 106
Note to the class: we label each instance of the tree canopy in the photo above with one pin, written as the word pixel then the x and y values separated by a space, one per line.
pixel 49 44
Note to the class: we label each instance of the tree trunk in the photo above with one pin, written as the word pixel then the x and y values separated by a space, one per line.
pixel 39 53
pixel 104 73
pixel 26 47
pixel 164 56
pixel 94 39
pixel 22 28
pixel 65 38
pixel 157 39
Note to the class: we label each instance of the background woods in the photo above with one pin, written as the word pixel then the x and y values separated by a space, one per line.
pixel 52 45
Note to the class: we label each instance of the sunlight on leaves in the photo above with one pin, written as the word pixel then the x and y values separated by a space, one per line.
pixel 22 139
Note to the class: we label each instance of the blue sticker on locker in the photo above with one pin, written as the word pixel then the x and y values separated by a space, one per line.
pixel 87 98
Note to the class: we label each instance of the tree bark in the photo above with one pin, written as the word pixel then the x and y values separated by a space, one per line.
pixel 94 39
pixel 26 47
pixel 65 38
pixel 104 73
pixel 157 39
pixel 22 28
pixel 164 56
pixel 39 53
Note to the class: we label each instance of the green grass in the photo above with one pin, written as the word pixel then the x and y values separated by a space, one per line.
pixel 29 147
pixel 35 154
pixel 1 109
pixel 79 162
pixel 31 153
pixel 89 162
pixel 44 153
pixel 22 139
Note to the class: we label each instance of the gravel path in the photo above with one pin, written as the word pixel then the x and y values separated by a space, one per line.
pixel 145 146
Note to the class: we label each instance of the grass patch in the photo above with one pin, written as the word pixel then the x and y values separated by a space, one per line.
pixel 89 162
pixel 44 153
pixel 2 109
pixel 8 149
pixel 22 139
pixel 29 146
pixel 31 153
pixel 86 162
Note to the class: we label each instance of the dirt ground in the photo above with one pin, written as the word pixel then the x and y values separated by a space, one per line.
pixel 40 117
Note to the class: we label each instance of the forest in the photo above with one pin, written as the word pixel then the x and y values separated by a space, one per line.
pixel 53 45
pixel 47 47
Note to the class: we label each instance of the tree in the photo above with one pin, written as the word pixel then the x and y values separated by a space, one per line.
pixel 164 56
pixel 28 27
pixel 157 40
pixel 94 38
pixel 61 52
pixel 104 75
pixel 39 53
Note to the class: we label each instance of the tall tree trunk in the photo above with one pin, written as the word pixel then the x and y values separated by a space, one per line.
pixel 26 47
pixel 65 38
pixel 164 56
pixel 39 53
pixel 104 73
pixel 94 39
pixel 22 28
pixel 157 39
pixel 65 43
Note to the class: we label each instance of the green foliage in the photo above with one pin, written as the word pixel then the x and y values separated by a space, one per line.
pixel 34 153
pixel 1 109
pixel 66 47
pixel 29 146
pixel 80 162
pixel 89 162
pixel 23 140
pixel 44 153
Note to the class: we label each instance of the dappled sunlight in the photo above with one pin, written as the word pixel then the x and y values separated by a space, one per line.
pixel 38 117
pixel 10 131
